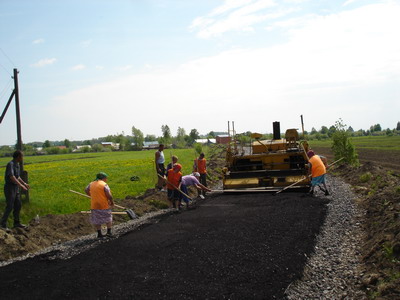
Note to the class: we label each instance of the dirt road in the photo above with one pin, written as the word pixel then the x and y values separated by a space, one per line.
pixel 228 246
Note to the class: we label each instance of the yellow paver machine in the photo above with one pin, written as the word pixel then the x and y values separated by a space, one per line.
pixel 267 165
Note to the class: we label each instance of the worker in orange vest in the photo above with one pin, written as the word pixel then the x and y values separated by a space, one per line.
pixel 317 167
pixel 174 181
pixel 200 166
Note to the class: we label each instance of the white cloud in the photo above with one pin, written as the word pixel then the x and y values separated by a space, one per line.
pixel 44 62
pixel 38 41
pixel 237 15
pixel 86 43
pixel 99 67
pixel 124 68
pixel 78 67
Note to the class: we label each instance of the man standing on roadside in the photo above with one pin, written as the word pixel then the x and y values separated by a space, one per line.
pixel 318 171
pixel 160 168
pixel 13 183
pixel 200 166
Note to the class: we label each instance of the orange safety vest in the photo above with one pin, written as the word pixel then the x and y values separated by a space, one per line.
pixel 98 195
pixel 200 165
pixel 317 166
pixel 174 178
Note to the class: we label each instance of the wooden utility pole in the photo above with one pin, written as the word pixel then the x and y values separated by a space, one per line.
pixel 18 114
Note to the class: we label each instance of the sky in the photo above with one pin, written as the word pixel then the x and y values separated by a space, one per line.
pixel 92 68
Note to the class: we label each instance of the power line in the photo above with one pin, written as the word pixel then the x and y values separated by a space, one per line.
pixel 5 70
pixel 5 89
pixel 7 57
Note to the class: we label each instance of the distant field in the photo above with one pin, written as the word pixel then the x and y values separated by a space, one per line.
pixel 52 176
pixel 366 142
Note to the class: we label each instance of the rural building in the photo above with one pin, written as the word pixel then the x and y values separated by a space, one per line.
pixel 114 146
pixel 150 145
pixel 205 141
pixel 223 139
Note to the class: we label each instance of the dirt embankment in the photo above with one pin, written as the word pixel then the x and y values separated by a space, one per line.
pixel 377 183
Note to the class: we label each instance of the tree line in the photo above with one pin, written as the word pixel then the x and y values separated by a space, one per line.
pixel 136 139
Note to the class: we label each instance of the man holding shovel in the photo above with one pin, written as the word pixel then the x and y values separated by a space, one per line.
pixel 192 179
pixel 101 204
pixel 318 171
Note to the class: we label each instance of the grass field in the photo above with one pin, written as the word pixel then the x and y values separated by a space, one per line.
pixel 52 176
pixel 367 142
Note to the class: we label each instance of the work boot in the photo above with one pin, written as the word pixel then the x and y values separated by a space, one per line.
pixel 19 225
pixel 5 228
pixel 109 233
pixel 327 193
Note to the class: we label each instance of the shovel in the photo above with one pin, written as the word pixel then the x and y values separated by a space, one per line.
pixel 179 190
pixel 130 212
pixel 305 178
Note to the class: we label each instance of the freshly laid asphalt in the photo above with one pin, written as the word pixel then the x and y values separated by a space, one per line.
pixel 238 246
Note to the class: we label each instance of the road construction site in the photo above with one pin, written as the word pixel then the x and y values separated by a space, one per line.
pixel 227 246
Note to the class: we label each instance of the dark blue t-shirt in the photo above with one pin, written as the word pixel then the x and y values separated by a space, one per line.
pixel 12 169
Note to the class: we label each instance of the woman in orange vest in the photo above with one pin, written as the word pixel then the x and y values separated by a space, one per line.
pixel 174 177
pixel 101 204
pixel 200 166
pixel 318 171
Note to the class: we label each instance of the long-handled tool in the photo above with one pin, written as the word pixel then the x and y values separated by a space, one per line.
pixel 130 212
pixel 289 186
pixel 176 187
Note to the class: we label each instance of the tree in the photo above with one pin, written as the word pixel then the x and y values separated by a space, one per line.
pixel 377 127
pixel 46 144
pixel 193 135
pixel 342 146
pixel 313 131
pixel 211 134
pixel 166 134
pixel 137 138
pixel 324 130
pixel 67 143
pixel 150 138
pixel 331 131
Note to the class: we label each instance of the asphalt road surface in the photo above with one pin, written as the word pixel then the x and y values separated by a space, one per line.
pixel 238 246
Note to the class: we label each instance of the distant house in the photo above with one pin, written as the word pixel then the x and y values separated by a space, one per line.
pixel 205 141
pixel 79 148
pixel 223 139
pixel 150 145
pixel 111 145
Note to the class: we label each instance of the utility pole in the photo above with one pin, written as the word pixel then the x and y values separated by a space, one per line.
pixel 15 92
pixel 18 114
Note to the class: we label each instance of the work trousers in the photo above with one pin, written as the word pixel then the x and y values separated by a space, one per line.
pixel 203 181
pixel 13 203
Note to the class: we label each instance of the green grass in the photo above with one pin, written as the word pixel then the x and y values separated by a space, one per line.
pixel 52 176
pixel 366 142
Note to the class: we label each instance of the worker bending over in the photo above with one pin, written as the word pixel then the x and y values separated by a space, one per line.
pixel 318 171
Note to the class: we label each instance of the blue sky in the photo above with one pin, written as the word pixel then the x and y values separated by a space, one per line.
pixel 93 68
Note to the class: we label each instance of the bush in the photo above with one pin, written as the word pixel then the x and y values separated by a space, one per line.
pixel 342 146
pixel 365 177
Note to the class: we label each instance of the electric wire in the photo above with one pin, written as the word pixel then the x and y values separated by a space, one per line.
pixel 3 92
pixel 7 57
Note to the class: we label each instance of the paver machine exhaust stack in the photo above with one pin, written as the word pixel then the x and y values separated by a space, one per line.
pixel 266 165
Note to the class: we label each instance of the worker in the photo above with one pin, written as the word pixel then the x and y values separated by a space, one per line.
pixel 160 168
pixel 13 184
pixel 200 166
pixel 318 170
pixel 174 180
pixel 174 160
pixel 101 204
pixel 192 179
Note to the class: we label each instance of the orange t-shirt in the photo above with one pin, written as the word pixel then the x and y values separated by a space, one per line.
pixel 174 178
pixel 317 166
pixel 200 166
pixel 98 195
